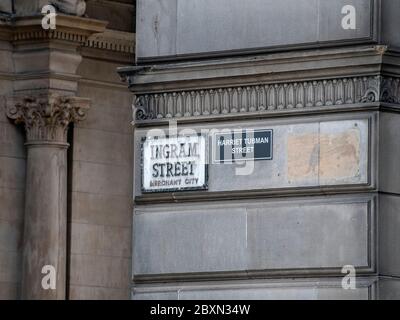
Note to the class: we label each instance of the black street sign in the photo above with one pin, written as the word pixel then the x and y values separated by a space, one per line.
pixel 244 145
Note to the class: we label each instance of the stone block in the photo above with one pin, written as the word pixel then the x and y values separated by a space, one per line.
pixel 12 140
pixel 255 237
pixel 9 291
pixel 102 147
pixel 156 28
pixel 5 6
pixel 183 27
pixel 100 271
pixel 283 289
pixel 200 239
pixel 331 16
pixel 389 289
pixel 102 179
pixel 10 267
pixel 100 240
pixel 105 114
pixel 101 209
pixel 119 14
pixel 389 237
pixel 12 204
pixel 97 293
pixel 10 236
pixel 389 152
pixel 12 173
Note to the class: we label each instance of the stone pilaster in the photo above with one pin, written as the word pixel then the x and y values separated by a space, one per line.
pixel 44 100
pixel 46 119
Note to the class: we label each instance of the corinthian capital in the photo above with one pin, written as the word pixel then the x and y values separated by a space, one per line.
pixel 46 117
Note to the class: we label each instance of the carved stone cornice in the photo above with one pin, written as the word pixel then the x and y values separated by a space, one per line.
pixel 112 40
pixel 268 97
pixel 46 117
pixel 68 28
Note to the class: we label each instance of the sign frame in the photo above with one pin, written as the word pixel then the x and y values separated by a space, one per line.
pixel 201 188
pixel 231 161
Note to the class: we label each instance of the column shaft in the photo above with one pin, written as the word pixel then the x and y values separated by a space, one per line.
pixel 45 240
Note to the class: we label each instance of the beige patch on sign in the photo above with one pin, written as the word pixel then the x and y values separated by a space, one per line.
pixel 340 155
pixel 303 156
pixel 327 156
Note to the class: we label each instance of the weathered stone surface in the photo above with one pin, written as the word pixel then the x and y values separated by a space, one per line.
pixel 12 141
pixel 12 181
pixel 170 28
pixel 12 204
pixel 196 240
pixel 304 289
pixel 10 267
pixel 75 7
pixel 32 7
pixel 102 147
pixel 97 293
pixel 101 179
pixel 100 240
pixel 45 221
pixel 100 271
pixel 389 239
pixel 262 237
pixel 10 235
pixel 389 289
pixel 9 291
pixel 12 173
pixel 94 209
pixel 318 153
pixel 5 6
pixel 389 152
pixel 107 115
pixel 120 14
pixel 390 11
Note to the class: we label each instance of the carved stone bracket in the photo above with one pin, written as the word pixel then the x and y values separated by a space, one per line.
pixel 390 90
pixel 267 97
pixel 46 117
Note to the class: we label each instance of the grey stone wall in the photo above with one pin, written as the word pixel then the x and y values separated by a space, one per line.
pixel 101 185
pixel 181 28
pixel 389 217
pixel 12 185
pixel 298 236
pixel 325 200
pixel 100 155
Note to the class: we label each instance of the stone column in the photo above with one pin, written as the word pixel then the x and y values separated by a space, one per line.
pixel 46 119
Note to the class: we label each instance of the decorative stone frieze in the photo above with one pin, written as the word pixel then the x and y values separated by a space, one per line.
pixel 46 117
pixel 267 97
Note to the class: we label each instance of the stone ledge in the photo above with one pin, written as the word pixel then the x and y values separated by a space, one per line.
pixel 69 28
pixel 113 41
